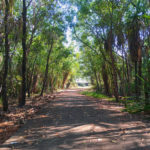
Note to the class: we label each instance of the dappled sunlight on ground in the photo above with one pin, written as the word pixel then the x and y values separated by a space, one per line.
pixel 73 122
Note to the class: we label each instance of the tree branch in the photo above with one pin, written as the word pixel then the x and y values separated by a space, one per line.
pixel 29 3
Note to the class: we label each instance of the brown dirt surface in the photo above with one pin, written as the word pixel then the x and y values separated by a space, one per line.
pixel 72 121
pixel 11 120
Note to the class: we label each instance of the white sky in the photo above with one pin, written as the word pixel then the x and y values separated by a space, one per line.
pixel 69 35
pixel 70 41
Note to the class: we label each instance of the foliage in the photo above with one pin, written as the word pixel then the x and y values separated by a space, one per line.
pixel 134 107
pixel 97 95
pixel 45 23
pixel 112 47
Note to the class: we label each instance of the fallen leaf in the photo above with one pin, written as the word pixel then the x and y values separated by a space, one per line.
pixel 114 141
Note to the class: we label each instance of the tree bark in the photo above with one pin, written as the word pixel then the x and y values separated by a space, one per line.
pixel 114 73
pixel 22 100
pixel 128 75
pixel 108 47
pixel 105 80
pixel 146 93
pixel 29 78
pixel 136 81
pixel 147 81
pixel 139 70
pixel 4 84
pixel 46 70
pixel 97 83
pixel 34 83
pixel 65 79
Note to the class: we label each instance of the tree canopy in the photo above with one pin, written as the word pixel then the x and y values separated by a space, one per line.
pixel 109 43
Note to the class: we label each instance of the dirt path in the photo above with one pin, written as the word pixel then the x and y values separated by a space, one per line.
pixel 76 122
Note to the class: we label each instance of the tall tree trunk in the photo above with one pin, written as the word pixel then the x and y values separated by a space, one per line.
pixel 105 80
pixel 121 85
pixel 46 70
pixel 92 81
pixel 34 83
pixel 4 84
pixel 108 47
pixel 29 78
pixel 27 81
pixel 115 82
pixel 109 43
pixel 128 75
pixel 65 79
pixel 97 83
pixel 69 83
pixel 52 84
pixel 22 99
pixel 139 70
pixel 123 79
pixel 147 80
pixel 99 80
pixel 136 81
pixel 146 91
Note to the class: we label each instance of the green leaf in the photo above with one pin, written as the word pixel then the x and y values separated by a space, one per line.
pixel 146 16
pixel 19 78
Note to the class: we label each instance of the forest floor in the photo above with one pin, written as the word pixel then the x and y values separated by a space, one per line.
pixel 16 117
pixel 73 121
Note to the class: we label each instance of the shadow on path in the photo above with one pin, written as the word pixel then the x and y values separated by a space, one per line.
pixel 74 122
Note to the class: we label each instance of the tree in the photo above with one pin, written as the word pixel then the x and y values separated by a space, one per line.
pixel 47 66
pixel 4 84
pixel 22 99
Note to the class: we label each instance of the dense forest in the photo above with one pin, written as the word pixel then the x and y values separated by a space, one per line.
pixel 115 49
pixel 33 56
pixel 112 47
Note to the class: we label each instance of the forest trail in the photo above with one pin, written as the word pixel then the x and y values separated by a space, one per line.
pixel 76 122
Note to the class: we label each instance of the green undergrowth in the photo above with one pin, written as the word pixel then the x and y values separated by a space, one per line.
pixel 133 107
pixel 136 107
pixel 0 102
pixel 97 95
pixel 130 104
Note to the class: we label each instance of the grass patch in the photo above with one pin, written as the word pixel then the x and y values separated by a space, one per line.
pixel 94 94
pixel 133 107
pixel 97 95
pixel 130 104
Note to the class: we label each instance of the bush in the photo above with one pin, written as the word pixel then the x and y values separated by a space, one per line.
pixel 134 107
